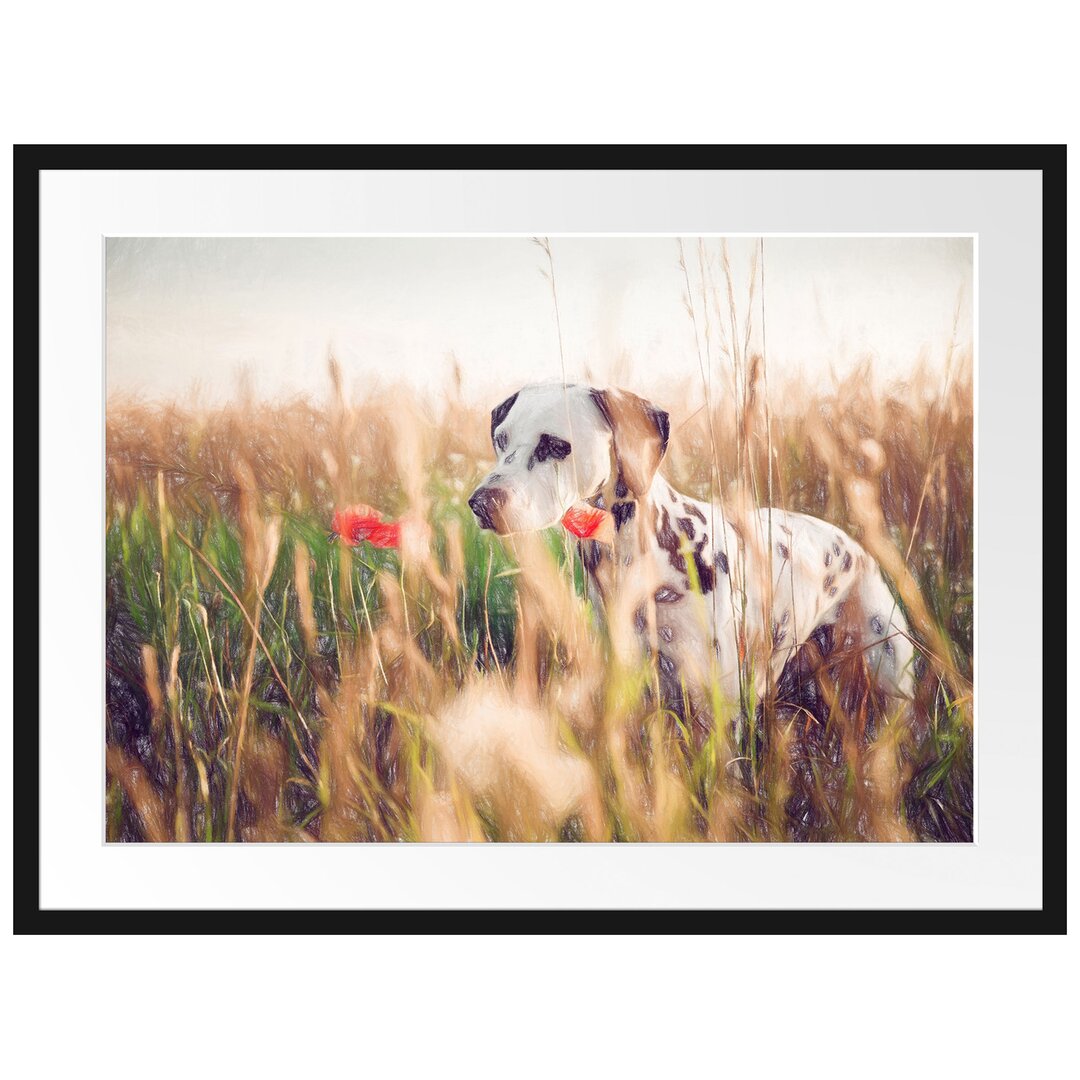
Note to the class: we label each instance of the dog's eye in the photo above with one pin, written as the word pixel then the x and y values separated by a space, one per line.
pixel 551 446
pixel 501 440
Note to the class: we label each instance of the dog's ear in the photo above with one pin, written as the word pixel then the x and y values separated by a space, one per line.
pixel 499 413
pixel 640 433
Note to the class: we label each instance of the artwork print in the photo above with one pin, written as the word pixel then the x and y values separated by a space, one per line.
pixel 560 539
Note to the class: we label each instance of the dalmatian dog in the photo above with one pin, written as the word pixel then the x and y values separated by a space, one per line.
pixel 702 587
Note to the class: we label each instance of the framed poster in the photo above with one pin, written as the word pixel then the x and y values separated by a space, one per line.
pixel 618 537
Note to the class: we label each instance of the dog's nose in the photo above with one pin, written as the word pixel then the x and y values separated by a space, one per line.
pixel 484 502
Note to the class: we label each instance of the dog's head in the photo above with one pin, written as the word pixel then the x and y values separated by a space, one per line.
pixel 558 445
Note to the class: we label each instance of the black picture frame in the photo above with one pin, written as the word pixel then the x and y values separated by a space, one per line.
pixel 30 160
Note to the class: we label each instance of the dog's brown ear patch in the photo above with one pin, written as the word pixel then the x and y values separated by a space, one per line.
pixel 640 433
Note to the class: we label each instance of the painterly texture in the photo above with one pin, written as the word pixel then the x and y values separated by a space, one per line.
pixel 430 681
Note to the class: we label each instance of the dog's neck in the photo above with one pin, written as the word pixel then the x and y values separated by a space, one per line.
pixel 661 524
pixel 634 516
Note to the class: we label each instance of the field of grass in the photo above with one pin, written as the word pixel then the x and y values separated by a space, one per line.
pixel 265 682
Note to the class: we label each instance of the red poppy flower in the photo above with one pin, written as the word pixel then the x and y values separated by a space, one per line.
pixel 359 523
pixel 386 535
pixel 587 522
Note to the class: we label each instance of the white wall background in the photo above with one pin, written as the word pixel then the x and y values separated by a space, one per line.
pixel 839 73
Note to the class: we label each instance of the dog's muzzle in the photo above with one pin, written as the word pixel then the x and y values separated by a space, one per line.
pixel 485 502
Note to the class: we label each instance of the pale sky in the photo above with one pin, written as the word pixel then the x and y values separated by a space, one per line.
pixel 186 312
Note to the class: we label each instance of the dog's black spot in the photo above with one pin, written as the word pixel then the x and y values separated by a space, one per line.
pixel 663 426
pixel 721 561
pixel 832 591
pixel 829 579
pixel 510 458
pixel 623 512
pixel 828 558
pixel 498 415
pixel 668 539
pixel 784 553
pixel 687 526
pixel 671 495
pixel 621 490
pixel 591 555
pixel 667 665
pixel 696 511
pixel 666 633
pixel 877 625
pixel 639 619
pixel 705 573
pixel 836 550
pixel 500 441
pixel 494 478
pixel 549 446
pixel 778 635
pixel 846 564
pixel 666 595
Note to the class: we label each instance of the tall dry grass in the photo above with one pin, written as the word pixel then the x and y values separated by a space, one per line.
pixel 266 683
